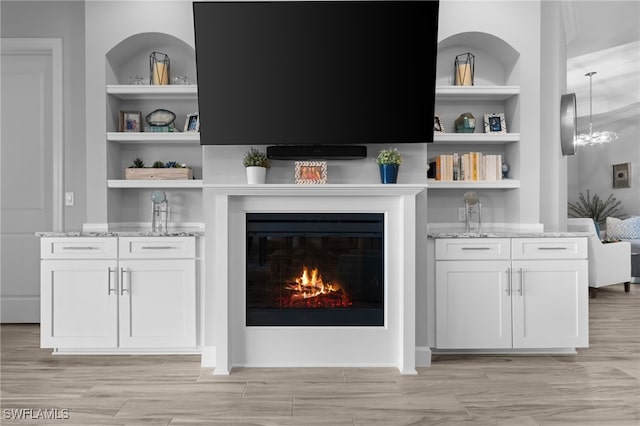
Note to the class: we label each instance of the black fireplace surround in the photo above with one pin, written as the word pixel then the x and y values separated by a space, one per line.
pixel 315 269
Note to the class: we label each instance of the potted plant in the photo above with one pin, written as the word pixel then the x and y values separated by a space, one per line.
pixel 595 208
pixel 389 161
pixel 256 163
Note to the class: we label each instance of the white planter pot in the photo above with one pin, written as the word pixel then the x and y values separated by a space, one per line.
pixel 256 175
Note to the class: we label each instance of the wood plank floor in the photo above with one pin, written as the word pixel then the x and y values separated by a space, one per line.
pixel 598 386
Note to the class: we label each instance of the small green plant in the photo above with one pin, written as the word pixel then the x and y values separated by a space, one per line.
pixel 137 164
pixel 389 156
pixel 158 165
pixel 595 208
pixel 255 158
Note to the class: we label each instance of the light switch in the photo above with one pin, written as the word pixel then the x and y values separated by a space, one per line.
pixel 69 198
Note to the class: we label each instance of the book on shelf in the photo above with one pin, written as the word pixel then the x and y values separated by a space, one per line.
pixel 470 166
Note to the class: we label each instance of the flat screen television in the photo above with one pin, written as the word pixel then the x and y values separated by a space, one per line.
pixel 316 72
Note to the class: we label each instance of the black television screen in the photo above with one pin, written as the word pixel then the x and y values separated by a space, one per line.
pixel 316 73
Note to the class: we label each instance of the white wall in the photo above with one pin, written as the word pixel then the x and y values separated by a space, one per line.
pixel 591 167
pixel 63 20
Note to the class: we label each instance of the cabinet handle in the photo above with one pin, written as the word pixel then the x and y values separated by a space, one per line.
pixel 508 282
pixel 79 248
pixel 552 248
pixel 476 248
pixel 521 287
pixel 109 288
pixel 122 288
pixel 158 248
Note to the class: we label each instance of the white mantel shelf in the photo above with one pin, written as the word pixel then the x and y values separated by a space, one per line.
pixel 315 190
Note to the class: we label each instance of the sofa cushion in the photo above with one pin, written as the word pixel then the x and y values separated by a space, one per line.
pixel 623 229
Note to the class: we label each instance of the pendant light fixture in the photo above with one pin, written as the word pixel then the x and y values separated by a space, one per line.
pixel 594 138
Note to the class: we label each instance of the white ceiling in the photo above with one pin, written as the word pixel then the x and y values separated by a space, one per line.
pixel 603 36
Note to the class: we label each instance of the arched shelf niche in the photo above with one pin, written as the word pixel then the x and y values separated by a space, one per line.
pixel 131 57
pixel 496 61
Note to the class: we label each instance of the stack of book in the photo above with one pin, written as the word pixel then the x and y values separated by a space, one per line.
pixel 471 166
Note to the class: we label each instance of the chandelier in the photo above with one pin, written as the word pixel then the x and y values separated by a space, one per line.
pixel 594 138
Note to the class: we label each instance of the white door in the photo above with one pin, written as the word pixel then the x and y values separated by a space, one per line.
pixel 157 303
pixel 79 304
pixel 473 304
pixel 26 178
pixel 550 304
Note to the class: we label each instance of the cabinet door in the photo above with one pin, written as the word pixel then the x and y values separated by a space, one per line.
pixel 473 304
pixel 79 304
pixel 550 304
pixel 158 303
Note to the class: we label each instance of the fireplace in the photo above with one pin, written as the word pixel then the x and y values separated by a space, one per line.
pixel 315 269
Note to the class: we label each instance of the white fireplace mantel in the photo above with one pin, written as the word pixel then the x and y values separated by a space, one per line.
pixel 228 342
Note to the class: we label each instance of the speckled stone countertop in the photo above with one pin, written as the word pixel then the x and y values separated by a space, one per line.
pixel 506 234
pixel 130 233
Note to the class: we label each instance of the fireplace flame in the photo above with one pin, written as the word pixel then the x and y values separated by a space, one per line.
pixel 310 291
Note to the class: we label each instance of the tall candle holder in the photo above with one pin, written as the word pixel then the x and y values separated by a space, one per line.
pixel 159 65
pixel 464 68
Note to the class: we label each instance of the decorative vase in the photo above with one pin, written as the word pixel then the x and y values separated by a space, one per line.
pixel 256 175
pixel 466 123
pixel 389 173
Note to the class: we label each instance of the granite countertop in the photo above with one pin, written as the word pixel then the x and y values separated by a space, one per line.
pixel 505 234
pixel 129 233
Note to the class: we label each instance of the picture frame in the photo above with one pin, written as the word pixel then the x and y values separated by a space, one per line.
pixel 311 172
pixel 438 124
pixel 621 176
pixel 192 123
pixel 130 121
pixel 495 123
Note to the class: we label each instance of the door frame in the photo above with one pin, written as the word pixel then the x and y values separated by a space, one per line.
pixel 52 46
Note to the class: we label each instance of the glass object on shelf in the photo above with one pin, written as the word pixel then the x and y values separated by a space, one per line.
pixel 505 169
pixel 472 212
pixel 159 67
pixel 160 212
pixel 137 80
pixel 180 80
pixel 464 66
pixel 465 123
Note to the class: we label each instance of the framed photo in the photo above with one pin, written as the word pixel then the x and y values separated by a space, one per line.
pixel 192 123
pixel 130 121
pixel 311 172
pixel 494 123
pixel 622 175
pixel 438 125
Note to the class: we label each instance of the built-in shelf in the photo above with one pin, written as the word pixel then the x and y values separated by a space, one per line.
pixel 475 138
pixel 183 184
pixel 481 93
pixel 140 92
pixel 501 184
pixel 154 137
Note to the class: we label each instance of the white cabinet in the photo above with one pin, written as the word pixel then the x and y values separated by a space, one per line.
pixel 118 293
pixel 512 302
pixel 473 304
pixel 157 303
pixel 78 290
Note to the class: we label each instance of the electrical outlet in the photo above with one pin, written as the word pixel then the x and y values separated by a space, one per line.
pixel 69 199
pixel 461 214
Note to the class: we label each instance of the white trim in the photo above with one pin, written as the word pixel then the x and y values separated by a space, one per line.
pixel 51 46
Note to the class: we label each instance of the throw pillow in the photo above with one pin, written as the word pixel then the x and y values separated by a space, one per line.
pixel 627 229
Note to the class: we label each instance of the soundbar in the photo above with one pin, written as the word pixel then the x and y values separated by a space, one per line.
pixel 316 152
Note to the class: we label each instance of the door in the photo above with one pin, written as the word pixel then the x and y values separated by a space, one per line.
pixel 79 304
pixel 29 135
pixel 473 304
pixel 550 304
pixel 157 303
